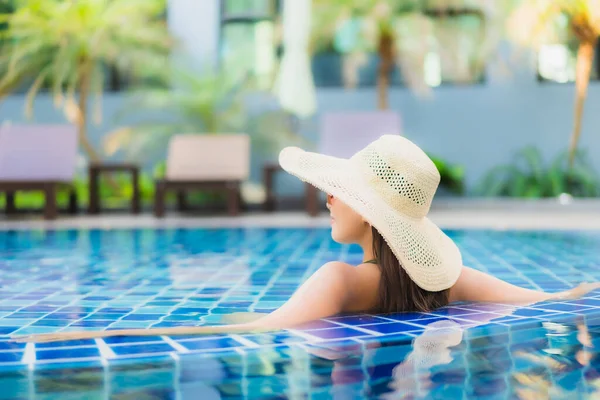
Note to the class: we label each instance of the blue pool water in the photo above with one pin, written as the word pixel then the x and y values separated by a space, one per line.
pixel 74 280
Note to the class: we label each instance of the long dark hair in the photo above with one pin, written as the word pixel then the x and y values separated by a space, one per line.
pixel 397 291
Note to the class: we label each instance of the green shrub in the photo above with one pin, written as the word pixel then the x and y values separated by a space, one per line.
pixel 529 177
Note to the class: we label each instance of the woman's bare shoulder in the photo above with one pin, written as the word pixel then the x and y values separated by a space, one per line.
pixel 364 287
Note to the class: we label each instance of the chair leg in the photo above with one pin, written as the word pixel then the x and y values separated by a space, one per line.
pixel 50 209
pixel 243 204
pixel 269 204
pixel 10 203
pixel 182 204
pixel 136 200
pixel 73 202
pixel 311 200
pixel 159 200
pixel 233 199
pixel 94 191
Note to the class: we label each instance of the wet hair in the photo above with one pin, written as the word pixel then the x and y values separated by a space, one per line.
pixel 397 291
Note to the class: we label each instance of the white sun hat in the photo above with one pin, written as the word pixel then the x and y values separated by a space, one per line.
pixel 390 183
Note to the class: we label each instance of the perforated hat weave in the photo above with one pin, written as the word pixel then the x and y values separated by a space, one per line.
pixel 391 183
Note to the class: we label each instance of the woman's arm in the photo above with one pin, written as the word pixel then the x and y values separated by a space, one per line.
pixel 324 294
pixel 474 285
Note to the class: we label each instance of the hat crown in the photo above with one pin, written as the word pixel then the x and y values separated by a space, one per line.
pixel 400 172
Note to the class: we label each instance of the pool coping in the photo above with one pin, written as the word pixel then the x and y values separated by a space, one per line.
pixel 447 217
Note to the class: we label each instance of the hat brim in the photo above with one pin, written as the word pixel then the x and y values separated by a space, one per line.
pixel 427 254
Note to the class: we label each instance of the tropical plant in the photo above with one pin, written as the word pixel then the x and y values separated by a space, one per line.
pixel 534 23
pixel 69 45
pixel 202 102
pixel 528 176
pixel 403 34
pixel 452 176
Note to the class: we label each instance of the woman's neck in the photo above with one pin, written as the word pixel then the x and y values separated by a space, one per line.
pixel 367 247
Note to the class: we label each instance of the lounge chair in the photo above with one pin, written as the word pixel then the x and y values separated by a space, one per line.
pixel 341 135
pixel 40 158
pixel 205 162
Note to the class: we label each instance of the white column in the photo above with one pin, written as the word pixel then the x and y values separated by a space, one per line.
pixel 195 23
pixel 294 85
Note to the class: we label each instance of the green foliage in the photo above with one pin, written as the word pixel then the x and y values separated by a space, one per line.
pixel 160 170
pixel 68 46
pixel 354 29
pixel 203 103
pixel 529 177
pixel 54 39
pixel 535 23
pixel 452 176
pixel 188 103
pixel 111 196
pixel 360 20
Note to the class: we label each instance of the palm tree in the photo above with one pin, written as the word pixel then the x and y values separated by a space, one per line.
pixel 70 44
pixel 535 23
pixel 401 32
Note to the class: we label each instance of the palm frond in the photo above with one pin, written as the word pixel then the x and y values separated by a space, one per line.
pixel 97 89
pixel 62 41
pixel 33 91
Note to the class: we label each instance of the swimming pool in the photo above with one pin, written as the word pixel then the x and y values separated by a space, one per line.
pixel 77 279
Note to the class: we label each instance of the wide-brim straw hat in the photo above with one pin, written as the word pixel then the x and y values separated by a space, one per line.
pixel 391 184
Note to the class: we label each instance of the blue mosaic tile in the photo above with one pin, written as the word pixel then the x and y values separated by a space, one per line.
pixel 275 338
pixel 131 339
pixel 335 333
pixel 562 307
pixel 358 320
pixel 7 330
pixel 88 323
pixel 10 357
pixel 393 339
pixel 55 280
pixel 210 344
pixel 66 343
pixel 146 349
pixel 532 312
pixel 142 317
pixel 11 345
pixel 423 322
pixel 341 346
pixel 51 322
pixel 79 352
pixel 453 311
pixel 392 327
pixel 77 309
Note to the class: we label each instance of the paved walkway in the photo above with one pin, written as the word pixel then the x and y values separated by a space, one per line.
pixel 455 214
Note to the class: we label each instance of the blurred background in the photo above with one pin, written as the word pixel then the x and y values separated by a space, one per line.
pixel 502 94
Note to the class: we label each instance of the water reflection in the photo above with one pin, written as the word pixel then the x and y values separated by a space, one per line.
pixel 434 359
pixel 432 348
pixel 449 360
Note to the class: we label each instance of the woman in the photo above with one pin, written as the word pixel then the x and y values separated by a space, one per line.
pixel 379 199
